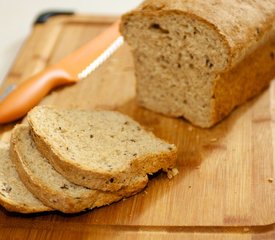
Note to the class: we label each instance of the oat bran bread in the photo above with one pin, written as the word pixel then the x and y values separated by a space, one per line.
pixel 200 59
pixel 14 196
pixel 51 187
pixel 102 150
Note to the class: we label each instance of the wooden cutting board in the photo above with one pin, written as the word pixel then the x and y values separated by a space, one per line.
pixel 226 183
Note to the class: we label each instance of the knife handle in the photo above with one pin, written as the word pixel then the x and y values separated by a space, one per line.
pixel 30 92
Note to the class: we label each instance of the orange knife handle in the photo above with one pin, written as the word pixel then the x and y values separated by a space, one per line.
pixel 29 93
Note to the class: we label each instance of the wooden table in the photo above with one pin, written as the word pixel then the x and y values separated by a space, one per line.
pixel 225 188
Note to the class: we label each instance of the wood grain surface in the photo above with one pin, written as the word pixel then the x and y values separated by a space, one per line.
pixel 226 183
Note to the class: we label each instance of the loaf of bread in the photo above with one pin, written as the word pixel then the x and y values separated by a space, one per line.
pixel 51 187
pixel 200 59
pixel 102 150
pixel 14 196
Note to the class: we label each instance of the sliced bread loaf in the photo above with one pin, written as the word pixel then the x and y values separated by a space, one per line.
pixel 200 59
pixel 51 187
pixel 101 149
pixel 14 196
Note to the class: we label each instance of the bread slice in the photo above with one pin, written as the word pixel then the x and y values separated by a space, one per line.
pixel 51 187
pixel 14 196
pixel 200 59
pixel 98 149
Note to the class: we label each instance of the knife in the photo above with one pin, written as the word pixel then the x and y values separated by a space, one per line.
pixel 76 66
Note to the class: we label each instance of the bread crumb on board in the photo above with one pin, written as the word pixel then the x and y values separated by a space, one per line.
pixel 213 139
pixel 190 128
pixel 270 180
pixel 172 173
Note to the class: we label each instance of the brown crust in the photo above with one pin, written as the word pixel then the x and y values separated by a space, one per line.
pixel 15 207
pixel 246 80
pixel 59 200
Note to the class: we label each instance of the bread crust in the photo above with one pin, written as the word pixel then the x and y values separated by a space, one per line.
pixel 12 206
pixel 241 83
